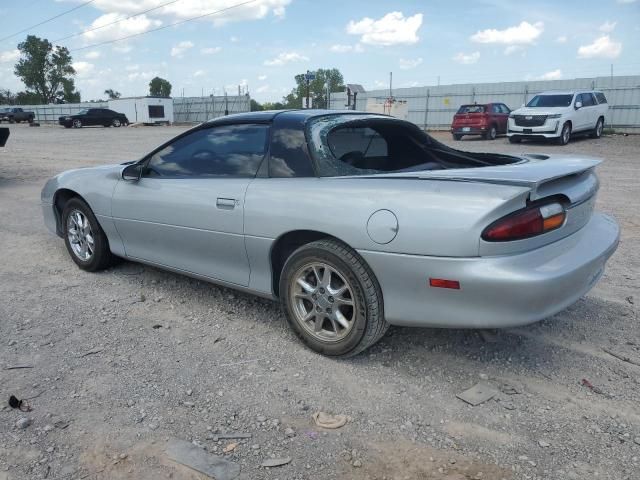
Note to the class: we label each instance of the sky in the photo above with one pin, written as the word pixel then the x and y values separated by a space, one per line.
pixel 262 44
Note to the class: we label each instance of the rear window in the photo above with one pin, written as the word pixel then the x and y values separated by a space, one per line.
pixel 562 100
pixel 600 97
pixel 472 109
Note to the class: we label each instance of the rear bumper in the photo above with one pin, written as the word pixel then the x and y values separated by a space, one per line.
pixel 496 292
pixel 473 130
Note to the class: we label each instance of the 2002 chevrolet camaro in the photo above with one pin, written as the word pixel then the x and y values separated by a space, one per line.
pixel 354 221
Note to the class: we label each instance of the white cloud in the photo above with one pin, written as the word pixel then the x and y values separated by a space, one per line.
pixel 284 58
pixel 123 28
pixel 198 73
pixel 262 77
pixel 392 29
pixel 607 27
pixel 122 48
pixel 511 49
pixel 132 68
pixel 523 34
pixel 408 64
pixel 467 58
pixel 9 55
pixel 340 48
pixel 562 39
pixel 602 47
pixel 180 48
pixel 552 75
pixel 141 75
pixel 234 39
pixel 92 55
pixel 83 69
pixel 210 50
pixel 184 9
pixel 262 89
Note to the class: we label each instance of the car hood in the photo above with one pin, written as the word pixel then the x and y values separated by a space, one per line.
pixel 540 110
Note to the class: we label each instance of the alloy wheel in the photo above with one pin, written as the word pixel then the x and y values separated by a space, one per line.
pixel 80 235
pixel 323 302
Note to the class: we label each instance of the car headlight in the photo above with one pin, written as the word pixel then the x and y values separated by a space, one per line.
pixel 511 115
pixel 67 118
pixel 555 115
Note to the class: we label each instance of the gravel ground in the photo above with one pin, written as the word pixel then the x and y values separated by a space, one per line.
pixel 127 358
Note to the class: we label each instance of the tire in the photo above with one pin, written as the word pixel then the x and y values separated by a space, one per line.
pixel 491 134
pixel 360 305
pixel 597 131
pixel 116 122
pixel 565 134
pixel 515 140
pixel 457 137
pixel 77 123
pixel 67 126
pixel 98 255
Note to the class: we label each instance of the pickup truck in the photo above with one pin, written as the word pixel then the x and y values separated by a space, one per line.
pixel 16 115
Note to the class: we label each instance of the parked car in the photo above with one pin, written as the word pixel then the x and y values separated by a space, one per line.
pixel 16 115
pixel 488 120
pixel 94 117
pixel 558 116
pixel 354 221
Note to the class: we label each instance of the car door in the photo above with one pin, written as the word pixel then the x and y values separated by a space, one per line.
pixel 186 211
pixel 590 105
pixel 581 115
pixel 92 117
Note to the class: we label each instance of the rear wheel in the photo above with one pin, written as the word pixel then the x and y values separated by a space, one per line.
pixel 85 240
pixel 565 134
pixel 116 122
pixel 77 123
pixel 597 132
pixel 332 299
pixel 492 133
pixel 514 140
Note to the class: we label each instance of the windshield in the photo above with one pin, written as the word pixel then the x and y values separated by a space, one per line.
pixel 472 109
pixel 84 111
pixel 563 100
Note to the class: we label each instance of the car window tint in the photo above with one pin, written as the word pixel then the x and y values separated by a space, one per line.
pixel 587 100
pixel 361 141
pixel 230 150
pixel 289 156
pixel 601 98
pixel 504 108
pixel 495 108
pixel 472 109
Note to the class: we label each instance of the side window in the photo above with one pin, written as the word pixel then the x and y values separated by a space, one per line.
pixel 289 155
pixel 504 108
pixel 587 100
pixel 600 97
pixel 495 108
pixel 229 150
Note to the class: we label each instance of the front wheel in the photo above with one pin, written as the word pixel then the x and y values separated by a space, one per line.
pixel 116 122
pixel 77 123
pixel 85 240
pixel 565 134
pixel 332 299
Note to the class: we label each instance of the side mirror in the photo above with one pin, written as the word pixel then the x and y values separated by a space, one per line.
pixel 578 105
pixel 132 172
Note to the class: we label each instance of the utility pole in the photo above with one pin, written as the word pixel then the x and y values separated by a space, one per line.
pixel 390 84
pixel 612 75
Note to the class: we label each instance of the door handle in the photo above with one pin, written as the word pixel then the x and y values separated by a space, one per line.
pixel 226 203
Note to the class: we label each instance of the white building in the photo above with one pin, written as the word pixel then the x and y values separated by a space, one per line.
pixel 144 109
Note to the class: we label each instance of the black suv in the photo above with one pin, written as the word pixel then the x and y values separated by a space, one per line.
pixel 94 116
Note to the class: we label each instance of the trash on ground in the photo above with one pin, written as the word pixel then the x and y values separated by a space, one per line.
pixel 586 383
pixel 21 405
pixel 327 420
pixel 509 389
pixel 16 367
pixel 194 457
pixel 479 393
pixel 230 448
pixel 228 436
pixel 276 462
pixel 23 422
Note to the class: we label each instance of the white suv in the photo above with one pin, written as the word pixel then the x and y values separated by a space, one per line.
pixel 558 115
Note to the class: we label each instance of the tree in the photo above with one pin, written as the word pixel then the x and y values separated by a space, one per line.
pixel 7 97
pixel 46 71
pixel 159 87
pixel 112 93
pixel 255 106
pixel 273 106
pixel 330 77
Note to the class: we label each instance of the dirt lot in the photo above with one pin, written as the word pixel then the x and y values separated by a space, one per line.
pixel 125 359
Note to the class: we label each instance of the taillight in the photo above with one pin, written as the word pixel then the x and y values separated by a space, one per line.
pixel 526 223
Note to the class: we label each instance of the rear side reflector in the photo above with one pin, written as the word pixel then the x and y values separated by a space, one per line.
pixel 442 283
pixel 526 223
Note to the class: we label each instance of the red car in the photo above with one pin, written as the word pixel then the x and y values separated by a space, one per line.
pixel 487 120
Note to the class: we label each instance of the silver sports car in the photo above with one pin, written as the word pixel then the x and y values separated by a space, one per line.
pixel 354 221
